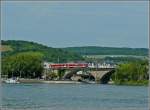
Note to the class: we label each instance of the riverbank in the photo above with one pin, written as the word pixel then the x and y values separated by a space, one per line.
pixel 23 80
pixel 129 83
pixel 48 82
pixel 132 83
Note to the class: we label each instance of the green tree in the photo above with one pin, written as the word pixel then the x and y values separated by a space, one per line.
pixel 134 72
pixel 25 65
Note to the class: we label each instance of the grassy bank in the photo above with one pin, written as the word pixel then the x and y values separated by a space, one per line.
pixel 133 83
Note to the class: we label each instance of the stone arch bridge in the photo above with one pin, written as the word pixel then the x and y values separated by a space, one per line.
pixel 99 75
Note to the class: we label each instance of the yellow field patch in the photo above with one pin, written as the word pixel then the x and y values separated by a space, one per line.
pixel 5 48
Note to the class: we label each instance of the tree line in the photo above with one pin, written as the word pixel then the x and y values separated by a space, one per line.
pixel 24 65
pixel 96 50
pixel 135 73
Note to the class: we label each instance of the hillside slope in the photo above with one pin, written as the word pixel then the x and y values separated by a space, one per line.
pixel 49 54
pixel 94 50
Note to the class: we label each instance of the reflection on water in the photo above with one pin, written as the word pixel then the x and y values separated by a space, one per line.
pixel 73 97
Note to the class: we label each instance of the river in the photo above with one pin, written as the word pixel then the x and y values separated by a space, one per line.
pixel 73 97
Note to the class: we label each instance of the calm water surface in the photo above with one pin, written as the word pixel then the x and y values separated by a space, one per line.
pixel 73 97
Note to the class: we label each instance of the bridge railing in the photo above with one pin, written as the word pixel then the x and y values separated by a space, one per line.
pixel 102 66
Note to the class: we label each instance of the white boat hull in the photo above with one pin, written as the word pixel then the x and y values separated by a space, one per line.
pixel 11 81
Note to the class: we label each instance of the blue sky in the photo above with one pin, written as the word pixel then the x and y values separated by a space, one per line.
pixel 67 24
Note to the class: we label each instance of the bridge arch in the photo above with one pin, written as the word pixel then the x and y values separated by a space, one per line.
pixel 106 77
pixel 102 76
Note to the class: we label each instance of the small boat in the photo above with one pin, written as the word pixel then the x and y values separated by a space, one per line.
pixel 12 81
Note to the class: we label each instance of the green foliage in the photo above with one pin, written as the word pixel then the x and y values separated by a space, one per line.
pixel 52 76
pixel 25 65
pixel 49 54
pixel 132 73
pixel 93 50
pixel 61 73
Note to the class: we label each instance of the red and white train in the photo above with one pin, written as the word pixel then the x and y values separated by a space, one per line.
pixel 68 65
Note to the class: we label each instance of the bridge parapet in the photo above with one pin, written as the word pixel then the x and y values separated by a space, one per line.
pixel 98 65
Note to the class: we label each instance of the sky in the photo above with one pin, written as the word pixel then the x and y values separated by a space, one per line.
pixel 68 24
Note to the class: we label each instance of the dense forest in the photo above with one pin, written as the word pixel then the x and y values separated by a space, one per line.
pixel 94 50
pixel 50 54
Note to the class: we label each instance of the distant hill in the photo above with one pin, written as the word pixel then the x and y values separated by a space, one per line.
pixel 12 47
pixel 94 50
